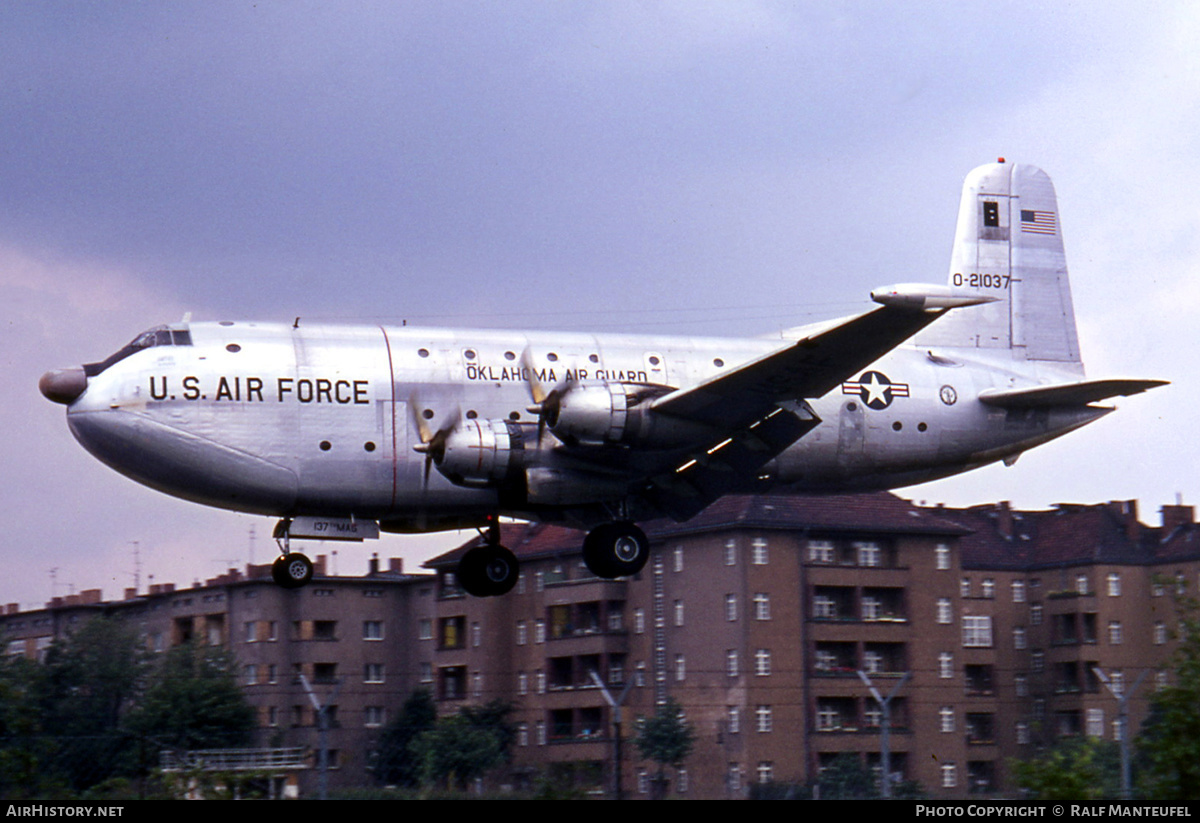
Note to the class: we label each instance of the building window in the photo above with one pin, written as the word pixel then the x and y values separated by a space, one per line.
pixel 824 607
pixel 679 558
pixel 869 554
pixel 1022 733
pixel 735 719
pixel 1037 660
pixel 731 663
pixel 762 719
pixel 977 631
pixel 678 612
pixel 639 621
pixel 1019 638
pixel 1116 682
pixel 1081 584
pixel 476 635
pixel 820 551
pixel 943 610
pixel 639 675
pixel 252 632
pixel 541 681
pixel 426 672
pixel 731 552
pixel 373 673
pixel 989 588
pixel 1114 584
pixel 942 557
pixel 680 668
pixel 765 772
pixel 762 606
pixel 250 674
pixel 452 633
pixel 964 587
pixel 1160 633
pixel 946 719
pixel 374 717
pixel 945 665
pixel 1114 632
pixel 522 734
pixel 425 629
pixel 759 546
pixel 949 776
pixel 681 781
pixel 541 732
pixel 522 633
pixel 872 607
pixel 762 662
pixel 522 683
pixel 539 631
pixel 731 609
pixel 1021 684
pixel 372 630
pixel 1035 614
pixel 1018 591
pixel 1095 723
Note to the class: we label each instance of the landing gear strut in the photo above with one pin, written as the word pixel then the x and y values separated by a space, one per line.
pixel 489 570
pixel 291 570
pixel 618 549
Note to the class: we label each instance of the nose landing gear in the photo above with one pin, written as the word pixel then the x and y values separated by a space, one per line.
pixel 291 570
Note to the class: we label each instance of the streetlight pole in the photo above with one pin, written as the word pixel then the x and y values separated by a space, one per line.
pixel 885 740
pixel 1123 698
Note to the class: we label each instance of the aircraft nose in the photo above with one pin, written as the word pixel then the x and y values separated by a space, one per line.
pixel 63 385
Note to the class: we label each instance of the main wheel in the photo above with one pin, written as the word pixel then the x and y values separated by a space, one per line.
pixel 488 571
pixel 616 550
pixel 292 571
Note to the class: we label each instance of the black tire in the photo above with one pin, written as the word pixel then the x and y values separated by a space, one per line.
pixel 488 571
pixel 616 550
pixel 292 571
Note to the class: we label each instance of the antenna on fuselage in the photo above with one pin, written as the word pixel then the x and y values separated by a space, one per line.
pixel 296 325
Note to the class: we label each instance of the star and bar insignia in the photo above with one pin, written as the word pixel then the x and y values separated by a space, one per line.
pixel 875 389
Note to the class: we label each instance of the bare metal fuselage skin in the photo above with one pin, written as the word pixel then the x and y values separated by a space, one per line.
pixel 282 420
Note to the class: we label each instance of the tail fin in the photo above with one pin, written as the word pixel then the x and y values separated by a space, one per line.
pixel 1008 244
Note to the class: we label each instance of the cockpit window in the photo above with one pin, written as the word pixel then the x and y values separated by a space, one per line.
pixel 157 336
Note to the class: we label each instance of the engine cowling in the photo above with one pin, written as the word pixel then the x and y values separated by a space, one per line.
pixel 482 452
pixel 592 414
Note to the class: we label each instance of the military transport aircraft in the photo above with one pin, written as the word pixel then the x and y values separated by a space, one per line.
pixel 344 431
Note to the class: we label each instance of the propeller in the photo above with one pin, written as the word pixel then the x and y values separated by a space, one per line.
pixel 546 403
pixel 433 441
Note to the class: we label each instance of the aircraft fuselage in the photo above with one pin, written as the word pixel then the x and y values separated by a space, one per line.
pixel 323 420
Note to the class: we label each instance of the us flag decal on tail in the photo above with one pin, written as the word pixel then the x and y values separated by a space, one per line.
pixel 1037 222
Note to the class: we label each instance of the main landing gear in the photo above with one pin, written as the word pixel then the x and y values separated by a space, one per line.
pixel 291 570
pixel 610 550
pixel 489 570
pixel 617 549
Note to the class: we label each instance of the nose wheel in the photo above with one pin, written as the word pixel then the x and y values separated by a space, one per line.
pixel 616 550
pixel 291 570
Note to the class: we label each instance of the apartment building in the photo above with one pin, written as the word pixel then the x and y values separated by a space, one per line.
pixel 986 624
pixel 354 640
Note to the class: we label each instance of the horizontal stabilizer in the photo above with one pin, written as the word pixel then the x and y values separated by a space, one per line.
pixel 1066 394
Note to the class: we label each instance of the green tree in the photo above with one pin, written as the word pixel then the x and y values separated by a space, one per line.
pixel 1169 746
pixel 193 701
pixel 846 778
pixel 86 688
pixel 455 752
pixel 492 717
pixel 397 765
pixel 1075 769
pixel 666 739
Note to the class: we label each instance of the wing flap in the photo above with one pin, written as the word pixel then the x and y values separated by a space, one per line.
pixel 1066 394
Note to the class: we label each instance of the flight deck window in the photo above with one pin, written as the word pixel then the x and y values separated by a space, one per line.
pixel 158 336
pixel 991 214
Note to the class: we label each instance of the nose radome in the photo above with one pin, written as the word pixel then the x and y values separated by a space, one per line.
pixel 63 385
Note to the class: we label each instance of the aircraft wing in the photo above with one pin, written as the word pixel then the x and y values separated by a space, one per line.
pixel 1066 394
pixel 812 366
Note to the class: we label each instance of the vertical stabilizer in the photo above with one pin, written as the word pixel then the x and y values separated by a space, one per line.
pixel 1008 244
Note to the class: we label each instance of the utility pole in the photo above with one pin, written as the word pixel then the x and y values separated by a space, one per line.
pixel 1123 696
pixel 885 740
pixel 615 704
pixel 322 710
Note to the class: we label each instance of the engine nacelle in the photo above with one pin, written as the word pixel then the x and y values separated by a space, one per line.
pixel 611 413
pixel 591 414
pixel 481 452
